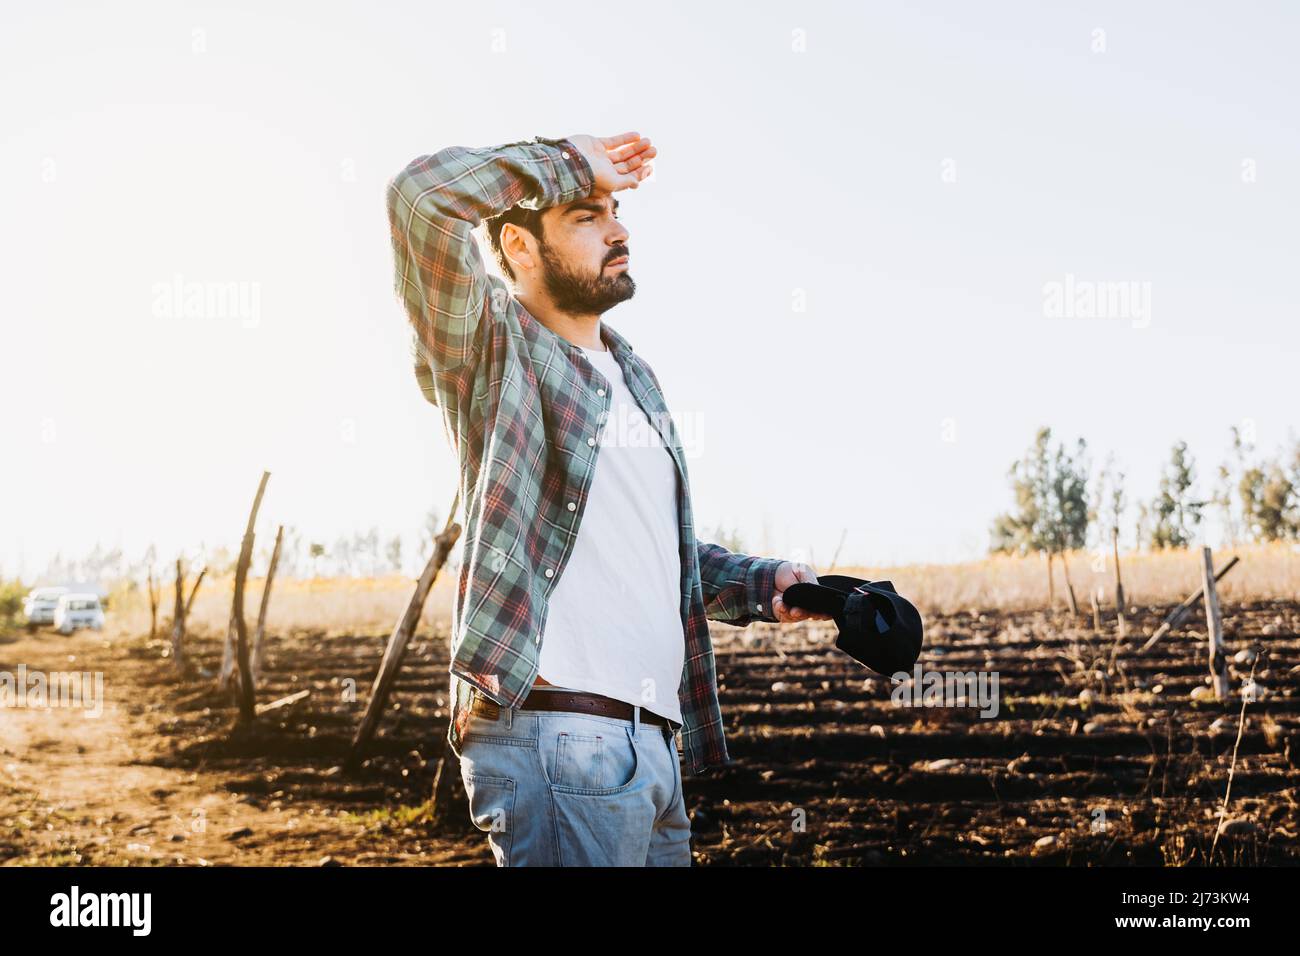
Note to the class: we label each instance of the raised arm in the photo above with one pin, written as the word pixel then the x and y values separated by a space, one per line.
pixel 435 203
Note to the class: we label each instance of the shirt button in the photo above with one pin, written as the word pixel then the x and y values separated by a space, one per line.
pixel 759 606
pixel 550 572
pixel 565 154
pixel 591 441
pixel 573 506
pixel 600 391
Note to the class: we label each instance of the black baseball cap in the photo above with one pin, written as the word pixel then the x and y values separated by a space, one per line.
pixel 878 626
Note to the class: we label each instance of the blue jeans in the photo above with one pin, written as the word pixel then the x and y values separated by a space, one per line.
pixel 554 788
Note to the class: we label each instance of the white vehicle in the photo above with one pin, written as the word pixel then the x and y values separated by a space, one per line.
pixel 78 610
pixel 39 605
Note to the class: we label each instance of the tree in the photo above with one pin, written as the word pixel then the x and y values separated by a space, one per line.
pixel 366 548
pixel 1175 512
pixel 731 540
pixel 1268 500
pixel 424 542
pixel 1051 511
pixel 1023 530
pixel 1231 473
pixel 291 553
pixel 1108 504
pixel 1269 492
pixel 12 593
pixel 1108 510
pixel 394 554
pixel 1068 529
pixel 220 561
pixel 342 554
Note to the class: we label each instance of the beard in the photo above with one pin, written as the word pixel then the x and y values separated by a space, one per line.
pixel 583 294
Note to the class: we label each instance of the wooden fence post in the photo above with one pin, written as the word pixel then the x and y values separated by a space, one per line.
pixel 182 613
pixel 154 595
pixel 1119 584
pixel 1069 587
pixel 178 620
pixel 1214 625
pixel 1051 586
pixel 258 645
pixel 247 707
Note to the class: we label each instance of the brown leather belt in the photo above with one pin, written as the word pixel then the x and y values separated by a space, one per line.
pixel 572 702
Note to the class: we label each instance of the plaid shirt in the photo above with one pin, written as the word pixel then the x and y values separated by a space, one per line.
pixel 524 409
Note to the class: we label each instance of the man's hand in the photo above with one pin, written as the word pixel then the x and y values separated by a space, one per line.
pixel 618 162
pixel 787 574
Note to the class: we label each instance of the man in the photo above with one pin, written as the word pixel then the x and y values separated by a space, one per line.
pixel 580 643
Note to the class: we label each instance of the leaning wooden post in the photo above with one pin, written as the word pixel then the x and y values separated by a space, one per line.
pixel 1096 612
pixel 1214 625
pixel 246 702
pixel 189 601
pixel 258 645
pixel 397 641
pixel 1175 617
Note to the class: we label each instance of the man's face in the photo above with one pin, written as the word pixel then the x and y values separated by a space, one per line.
pixel 585 256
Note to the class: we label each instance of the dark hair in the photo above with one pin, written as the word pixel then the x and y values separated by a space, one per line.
pixel 530 219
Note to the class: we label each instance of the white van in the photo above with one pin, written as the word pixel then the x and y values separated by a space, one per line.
pixel 78 610
pixel 39 605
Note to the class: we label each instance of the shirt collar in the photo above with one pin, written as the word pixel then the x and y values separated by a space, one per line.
pixel 616 343
pixel 613 341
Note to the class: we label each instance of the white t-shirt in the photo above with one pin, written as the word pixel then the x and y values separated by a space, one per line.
pixel 614 626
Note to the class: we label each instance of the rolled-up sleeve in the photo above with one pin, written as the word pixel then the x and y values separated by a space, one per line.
pixel 738 588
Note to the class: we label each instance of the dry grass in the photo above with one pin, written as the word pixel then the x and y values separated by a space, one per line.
pixel 1013 583
pixel 343 605
pixel 328 605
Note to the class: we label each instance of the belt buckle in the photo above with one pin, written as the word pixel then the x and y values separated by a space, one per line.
pixel 482 706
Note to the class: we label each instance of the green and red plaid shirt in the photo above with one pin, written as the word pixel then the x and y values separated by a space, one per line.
pixel 524 409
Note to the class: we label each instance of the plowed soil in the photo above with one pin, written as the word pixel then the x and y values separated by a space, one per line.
pixel 1097 754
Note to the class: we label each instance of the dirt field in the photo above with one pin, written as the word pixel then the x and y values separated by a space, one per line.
pixel 1086 761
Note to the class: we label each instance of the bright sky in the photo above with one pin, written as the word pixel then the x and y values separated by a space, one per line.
pixel 841 264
